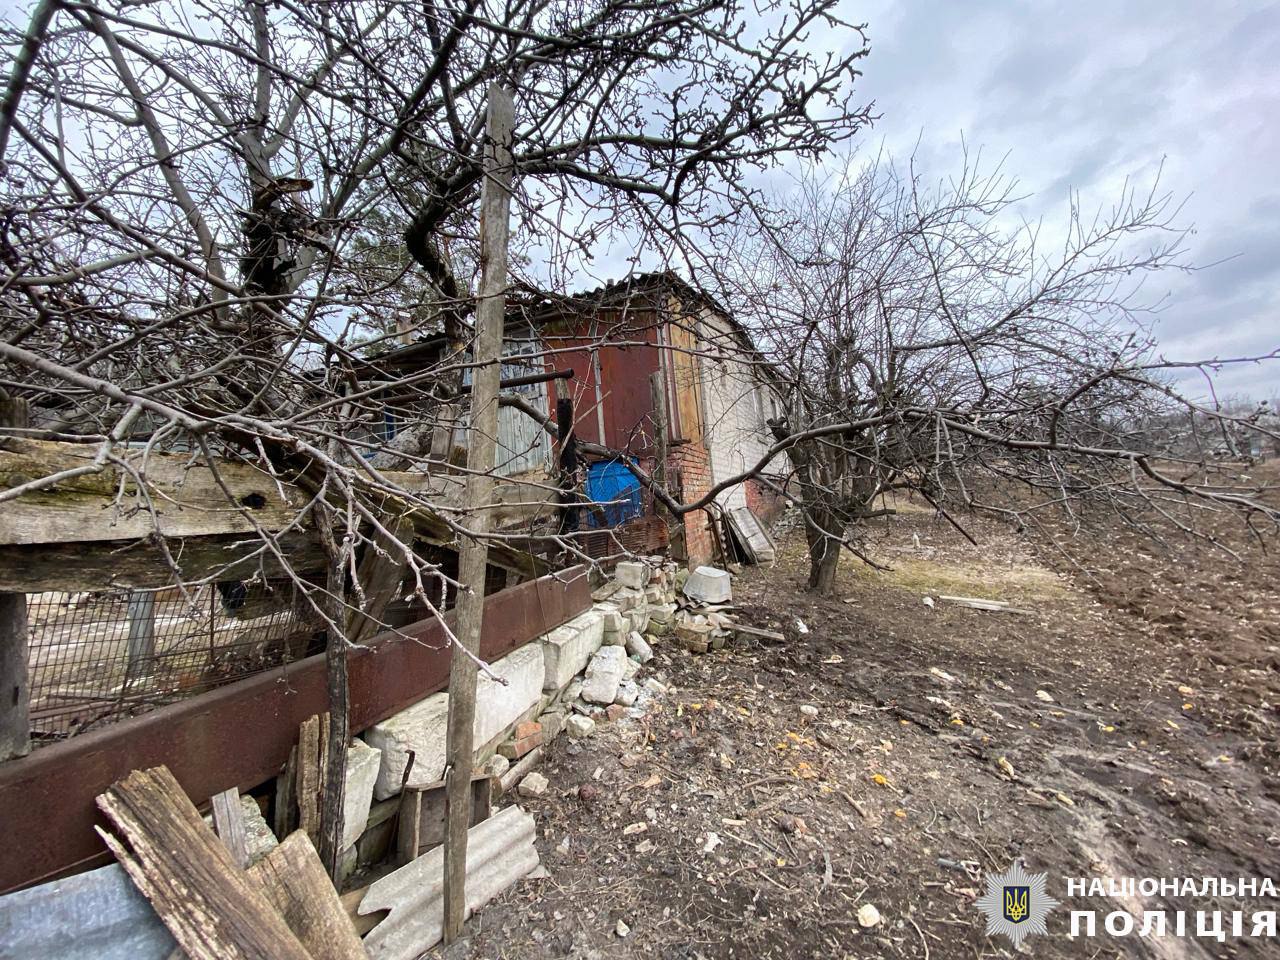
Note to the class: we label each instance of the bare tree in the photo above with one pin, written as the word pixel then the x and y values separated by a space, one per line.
pixel 922 339
pixel 202 200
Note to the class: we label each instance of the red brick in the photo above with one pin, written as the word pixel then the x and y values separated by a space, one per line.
pixel 527 729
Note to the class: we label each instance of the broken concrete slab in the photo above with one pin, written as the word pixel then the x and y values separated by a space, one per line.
pixel 423 726
pixel 500 851
pixel 363 764
pixel 709 585
pixel 604 673
pixel 567 648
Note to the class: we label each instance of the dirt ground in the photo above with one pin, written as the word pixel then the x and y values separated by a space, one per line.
pixel 1124 725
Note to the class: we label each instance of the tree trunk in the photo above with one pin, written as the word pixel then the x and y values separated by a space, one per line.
pixel 822 530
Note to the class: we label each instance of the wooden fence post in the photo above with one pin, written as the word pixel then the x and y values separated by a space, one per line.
pixel 495 212
pixel 15 688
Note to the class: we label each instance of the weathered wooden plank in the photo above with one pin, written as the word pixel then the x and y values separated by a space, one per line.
pixel 242 734
pixel 293 880
pixel 422 816
pixel 182 498
pixel 136 564
pixel 15 687
pixel 313 734
pixel 185 499
pixel 473 557
pixel 211 907
pixel 228 823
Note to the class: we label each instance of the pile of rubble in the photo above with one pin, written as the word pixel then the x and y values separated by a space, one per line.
pixel 701 623
pixel 592 665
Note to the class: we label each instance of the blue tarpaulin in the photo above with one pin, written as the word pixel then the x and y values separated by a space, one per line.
pixel 615 493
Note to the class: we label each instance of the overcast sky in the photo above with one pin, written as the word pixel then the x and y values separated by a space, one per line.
pixel 1080 95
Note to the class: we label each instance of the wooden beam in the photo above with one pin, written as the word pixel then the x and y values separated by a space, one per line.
pixel 211 907
pixel 141 564
pixel 15 688
pixel 292 878
pixel 242 734
pixel 183 500
pixel 495 224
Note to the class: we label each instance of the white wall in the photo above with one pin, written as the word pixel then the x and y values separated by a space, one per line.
pixel 737 405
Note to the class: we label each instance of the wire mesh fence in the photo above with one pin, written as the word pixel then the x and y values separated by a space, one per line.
pixel 102 656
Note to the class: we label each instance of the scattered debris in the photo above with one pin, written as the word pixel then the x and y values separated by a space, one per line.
pixel 580 727
pixel 533 785
pixel 977 603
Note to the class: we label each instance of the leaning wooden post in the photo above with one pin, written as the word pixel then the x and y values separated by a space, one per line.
pixel 495 211
pixel 15 689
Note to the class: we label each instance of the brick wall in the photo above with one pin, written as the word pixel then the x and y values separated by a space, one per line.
pixel 762 500
pixel 693 465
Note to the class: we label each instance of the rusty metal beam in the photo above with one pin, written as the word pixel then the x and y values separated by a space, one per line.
pixel 240 735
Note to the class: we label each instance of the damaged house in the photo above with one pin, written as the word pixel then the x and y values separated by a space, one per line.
pixel 657 382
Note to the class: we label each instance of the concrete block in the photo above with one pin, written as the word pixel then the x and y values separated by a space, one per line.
pixel 567 648
pixel 420 728
pixel 363 764
pixel 631 573
pixel 499 706
pixel 710 585
pixel 639 648
pixel 662 613
pixel 613 622
pixel 627 598
pixel 640 619
pixel 423 726
pixel 604 673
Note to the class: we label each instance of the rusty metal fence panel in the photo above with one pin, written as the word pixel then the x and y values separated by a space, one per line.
pixel 101 656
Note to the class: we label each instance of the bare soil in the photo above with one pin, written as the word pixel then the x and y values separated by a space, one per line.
pixel 1125 725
